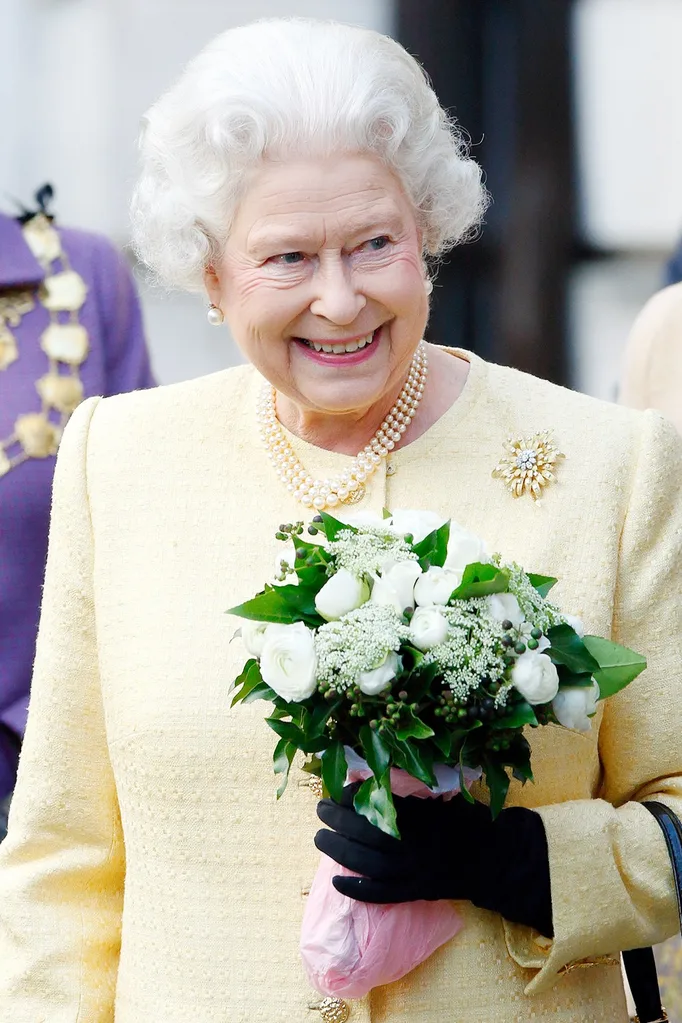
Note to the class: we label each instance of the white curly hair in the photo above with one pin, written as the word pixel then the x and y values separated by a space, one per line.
pixel 282 88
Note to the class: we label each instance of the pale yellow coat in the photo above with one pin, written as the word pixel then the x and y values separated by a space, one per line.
pixel 652 374
pixel 150 876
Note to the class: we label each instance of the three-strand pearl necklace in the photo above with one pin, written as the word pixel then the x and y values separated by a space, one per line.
pixel 349 486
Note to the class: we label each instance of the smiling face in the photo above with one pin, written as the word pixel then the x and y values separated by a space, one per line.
pixel 322 283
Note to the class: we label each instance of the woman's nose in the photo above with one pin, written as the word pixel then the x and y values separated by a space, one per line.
pixel 337 297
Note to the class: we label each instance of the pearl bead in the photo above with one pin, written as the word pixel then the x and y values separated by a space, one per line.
pixel 320 493
pixel 215 316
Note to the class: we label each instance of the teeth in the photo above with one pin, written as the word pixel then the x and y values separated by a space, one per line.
pixel 338 349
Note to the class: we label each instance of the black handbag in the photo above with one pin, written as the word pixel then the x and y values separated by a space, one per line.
pixel 639 963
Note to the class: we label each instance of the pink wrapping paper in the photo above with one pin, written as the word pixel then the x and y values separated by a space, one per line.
pixel 349 947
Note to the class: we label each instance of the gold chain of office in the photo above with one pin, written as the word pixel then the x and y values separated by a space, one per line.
pixel 65 342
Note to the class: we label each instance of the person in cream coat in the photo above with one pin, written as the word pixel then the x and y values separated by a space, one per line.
pixel 304 173
pixel 652 371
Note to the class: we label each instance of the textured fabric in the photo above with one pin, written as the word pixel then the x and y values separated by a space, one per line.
pixel 149 873
pixel 117 361
pixel 652 374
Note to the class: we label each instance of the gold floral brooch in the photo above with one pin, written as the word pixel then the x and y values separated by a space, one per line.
pixel 529 464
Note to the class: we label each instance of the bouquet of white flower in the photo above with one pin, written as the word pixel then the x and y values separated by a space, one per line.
pixel 403 642
pixel 398 653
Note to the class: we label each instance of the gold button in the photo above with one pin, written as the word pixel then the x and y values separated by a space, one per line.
pixel 332 1010
pixel 38 437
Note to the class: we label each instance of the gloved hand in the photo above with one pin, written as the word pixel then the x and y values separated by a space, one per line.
pixel 447 850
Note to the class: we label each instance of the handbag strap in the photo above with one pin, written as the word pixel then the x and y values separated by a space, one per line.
pixel 639 963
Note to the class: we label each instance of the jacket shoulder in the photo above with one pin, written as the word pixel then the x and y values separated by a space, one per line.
pixel 160 416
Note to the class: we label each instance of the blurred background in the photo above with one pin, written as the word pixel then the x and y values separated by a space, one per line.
pixel 573 108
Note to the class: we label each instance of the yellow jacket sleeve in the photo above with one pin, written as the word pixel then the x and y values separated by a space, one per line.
pixel 612 883
pixel 62 864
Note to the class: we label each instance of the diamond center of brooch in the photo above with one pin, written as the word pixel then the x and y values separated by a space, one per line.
pixel 526 459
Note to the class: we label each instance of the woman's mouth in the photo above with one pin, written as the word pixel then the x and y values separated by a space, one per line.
pixel 337 352
pixel 339 347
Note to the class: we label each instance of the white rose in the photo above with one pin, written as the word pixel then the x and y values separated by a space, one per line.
pixel 505 607
pixel 288 662
pixel 358 519
pixel 435 586
pixel 574 705
pixel 395 587
pixel 380 678
pixel 418 523
pixel 575 623
pixel 464 548
pixel 253 636
pixel 535 677
pixel 341 594
pixel 428 628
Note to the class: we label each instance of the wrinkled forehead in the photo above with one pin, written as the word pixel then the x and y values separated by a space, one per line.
pixel 321 201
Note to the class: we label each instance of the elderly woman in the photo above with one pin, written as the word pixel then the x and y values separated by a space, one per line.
pixel 305 174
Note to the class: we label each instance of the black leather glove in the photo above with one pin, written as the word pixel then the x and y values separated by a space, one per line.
pixel 447 850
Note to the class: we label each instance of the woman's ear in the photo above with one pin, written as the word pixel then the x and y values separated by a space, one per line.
pixel 212 284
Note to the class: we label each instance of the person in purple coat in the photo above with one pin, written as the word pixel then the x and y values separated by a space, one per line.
pixel 70 327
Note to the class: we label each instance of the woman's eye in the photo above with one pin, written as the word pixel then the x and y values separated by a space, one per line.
pixel 376 244
pixel 288 258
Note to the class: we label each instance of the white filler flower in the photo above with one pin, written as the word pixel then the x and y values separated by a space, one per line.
pixel 377 679
pixel 573 706
pixel 288 662
pixel 341 594
pixel 535 677
pixel 428 628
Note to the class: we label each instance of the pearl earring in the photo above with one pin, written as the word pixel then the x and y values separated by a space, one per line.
pixel 428 286
pixel 214 315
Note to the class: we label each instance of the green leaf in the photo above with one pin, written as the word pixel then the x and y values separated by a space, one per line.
pixel 414 759
pixel 443 740
pixel 479 580
pixel 292 733
pixel 312 765
pixel 568 648
pixel 433 549
pixel 249 680
pixel 334 770
pixel 282 758
pixel 542 583
pixel 316 721
pixel 618 666
pixel 287 730
pixel 522 714
pixel 412 727
pixel 375 750
pixel 468 755
pixel 497 780
pixel 261 692
pixel 375 802
pixel 332 527
pixel 573 678
pixel 283 605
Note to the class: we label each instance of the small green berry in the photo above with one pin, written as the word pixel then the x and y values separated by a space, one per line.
pixel 533 644
pixel 520 647
pixel 536 633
